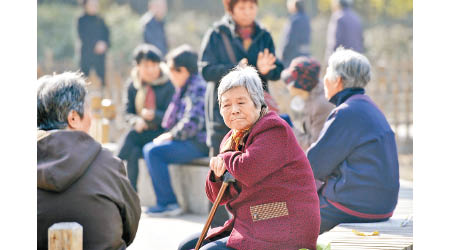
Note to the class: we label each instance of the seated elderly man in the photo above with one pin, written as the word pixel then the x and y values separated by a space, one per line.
pixel 356 153
pixel 78 180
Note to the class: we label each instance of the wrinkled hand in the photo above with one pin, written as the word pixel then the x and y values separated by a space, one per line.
pixel 217 165
pixel 100 47
pixel 148 114
pixel 163 138
pixel 265 62
pixel 140 125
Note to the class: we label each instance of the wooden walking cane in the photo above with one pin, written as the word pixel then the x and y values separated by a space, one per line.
pixel 227 179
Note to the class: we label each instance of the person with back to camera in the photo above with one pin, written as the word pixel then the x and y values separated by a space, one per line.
pixel 355 154
pixel 274 202
pixel 184 123
pixel 153 22
pixel 77 179
pixel 149 93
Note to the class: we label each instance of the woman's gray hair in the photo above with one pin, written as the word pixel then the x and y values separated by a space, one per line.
pixel 57 95
pixel 351 66
pixel 243 76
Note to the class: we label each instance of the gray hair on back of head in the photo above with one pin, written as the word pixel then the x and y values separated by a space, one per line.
pixel 57 95
pixel 243 76
pixel 353 67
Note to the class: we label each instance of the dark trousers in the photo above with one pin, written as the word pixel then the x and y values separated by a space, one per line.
pixel 190 242
pixel 330 216
pixel 94 61
pixel 131 151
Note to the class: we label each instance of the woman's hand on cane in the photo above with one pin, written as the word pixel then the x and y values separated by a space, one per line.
pixel 217 165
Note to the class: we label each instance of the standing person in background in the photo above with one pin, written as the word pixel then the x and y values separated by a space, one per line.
pixel 94 36
pixel 153 20
pixel 149 94
pixel 184 122
pixel 297 32
pixel 344 29
pixel 237 37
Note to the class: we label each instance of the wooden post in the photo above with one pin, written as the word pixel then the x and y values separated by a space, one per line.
pixel 65 236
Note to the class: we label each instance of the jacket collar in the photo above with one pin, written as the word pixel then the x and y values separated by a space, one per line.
pixel 344 94
pixel 163 78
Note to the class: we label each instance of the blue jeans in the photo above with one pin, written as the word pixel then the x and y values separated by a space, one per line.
pixel 158 158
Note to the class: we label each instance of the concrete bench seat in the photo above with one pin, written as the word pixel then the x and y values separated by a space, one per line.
pixel 396 233
pixel 188 182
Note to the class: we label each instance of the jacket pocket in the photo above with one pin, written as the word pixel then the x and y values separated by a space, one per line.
pixel 271 222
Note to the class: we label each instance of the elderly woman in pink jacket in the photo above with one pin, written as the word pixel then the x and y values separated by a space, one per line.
pixel 274 203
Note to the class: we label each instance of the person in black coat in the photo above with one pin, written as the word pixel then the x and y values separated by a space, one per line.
pixel 149 95
pixel 94 36
pixel 248 42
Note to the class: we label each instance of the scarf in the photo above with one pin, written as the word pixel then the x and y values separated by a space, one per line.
pixel 245 33
pixel 238 138
pixel 145 95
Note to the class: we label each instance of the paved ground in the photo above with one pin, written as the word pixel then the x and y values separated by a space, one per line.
pixel 166 233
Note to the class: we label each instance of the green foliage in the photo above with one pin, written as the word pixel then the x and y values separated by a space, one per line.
pixel 56 31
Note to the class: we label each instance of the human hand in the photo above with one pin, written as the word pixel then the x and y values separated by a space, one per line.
pixel 163 138
pixel 140 125
pixel 217 165
pixel 148 114
pixel 265 62
pixel 243 62
pixel 100 47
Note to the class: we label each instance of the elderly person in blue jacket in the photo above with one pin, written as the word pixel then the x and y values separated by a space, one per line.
pixel 184 122
pixel 356 154
pixel 296 36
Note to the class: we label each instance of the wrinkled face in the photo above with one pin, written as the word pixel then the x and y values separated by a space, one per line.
pixel 149 71
pixel 178 76
pixel 244 13
pixel 331 87
pixel 92 7
pixel 237 109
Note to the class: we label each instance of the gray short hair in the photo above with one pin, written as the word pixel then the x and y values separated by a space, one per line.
pixel 247 77
pixel 351 66
pixel 57 95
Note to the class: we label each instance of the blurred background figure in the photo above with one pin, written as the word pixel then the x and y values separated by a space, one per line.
pixel 153 20
pixel 237 37
pixel 149 94
pixel 296 37
pixel 185 136
pixel 302 79
pixel 94 36
pixel 344 29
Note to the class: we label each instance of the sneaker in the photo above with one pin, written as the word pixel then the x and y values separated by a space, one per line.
pixel 163 211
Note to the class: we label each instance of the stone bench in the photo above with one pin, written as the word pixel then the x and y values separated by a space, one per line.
pixel 188 181
pixel 396 233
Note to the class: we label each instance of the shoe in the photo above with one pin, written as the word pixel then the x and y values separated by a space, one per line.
pixel 164 211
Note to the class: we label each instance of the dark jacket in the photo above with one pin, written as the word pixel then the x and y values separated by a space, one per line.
pixel 163 90
pixel 274 202
pixel 296 38
pixel 91 29
pixel 215 63
pixel 154 32
pixel 344 29
pixel 79 181
pixel 356 155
